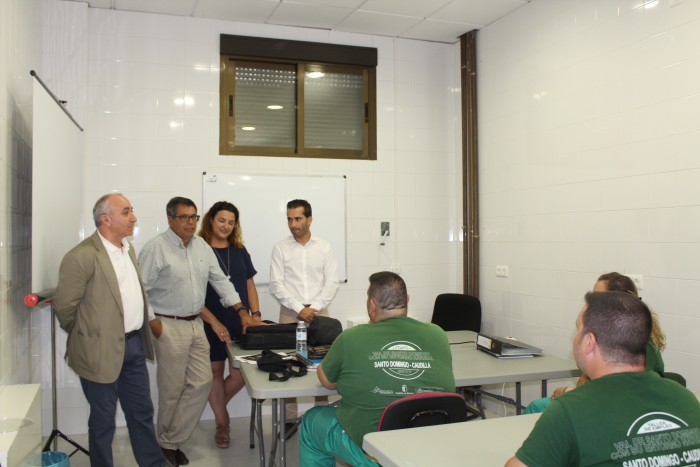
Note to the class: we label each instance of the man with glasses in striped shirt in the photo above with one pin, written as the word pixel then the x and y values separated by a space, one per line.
pixel 176 267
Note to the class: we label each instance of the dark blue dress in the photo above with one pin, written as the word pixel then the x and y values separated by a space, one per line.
pixel 237 264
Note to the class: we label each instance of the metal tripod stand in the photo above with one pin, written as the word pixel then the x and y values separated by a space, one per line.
pixel 38 299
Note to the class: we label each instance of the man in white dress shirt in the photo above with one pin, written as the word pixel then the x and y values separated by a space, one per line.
pixel 303 272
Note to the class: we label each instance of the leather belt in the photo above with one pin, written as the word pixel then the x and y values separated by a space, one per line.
pixel 184 318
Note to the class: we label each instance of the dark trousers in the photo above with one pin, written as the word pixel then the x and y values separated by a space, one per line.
pixel 133 392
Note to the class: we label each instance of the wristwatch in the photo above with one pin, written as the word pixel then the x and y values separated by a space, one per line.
pixel 256 313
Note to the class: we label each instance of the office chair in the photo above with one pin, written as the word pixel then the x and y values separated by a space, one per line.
pixel 458 312
pixel 423 409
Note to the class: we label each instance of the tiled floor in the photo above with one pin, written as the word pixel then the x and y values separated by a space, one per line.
pixel 200 449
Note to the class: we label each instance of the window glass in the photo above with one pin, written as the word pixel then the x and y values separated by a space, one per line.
pixel 286 98
pixel 333 110
pixel 264 105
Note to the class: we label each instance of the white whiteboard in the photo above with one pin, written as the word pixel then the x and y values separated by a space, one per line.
pixel 262 202
pixel 57 154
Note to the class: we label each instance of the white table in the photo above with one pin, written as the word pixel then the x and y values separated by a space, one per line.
pixel 260 388
pixel 20 424
pixel 480 443
pixel 471 367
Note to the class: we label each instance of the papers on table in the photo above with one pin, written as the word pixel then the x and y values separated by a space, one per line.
pixel 253 359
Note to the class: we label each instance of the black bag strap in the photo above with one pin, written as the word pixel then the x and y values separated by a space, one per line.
pixel 289 372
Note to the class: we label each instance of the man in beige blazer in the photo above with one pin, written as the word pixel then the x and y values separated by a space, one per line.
pixel 101 303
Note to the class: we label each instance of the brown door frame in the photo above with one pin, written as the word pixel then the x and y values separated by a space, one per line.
pixel 470 165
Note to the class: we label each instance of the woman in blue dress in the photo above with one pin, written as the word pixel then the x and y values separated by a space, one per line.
pixel 221 229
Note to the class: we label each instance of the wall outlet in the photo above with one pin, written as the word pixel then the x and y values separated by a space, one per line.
pixel 502 271
pixel 638 280
pixel 395 268
pixel 384 229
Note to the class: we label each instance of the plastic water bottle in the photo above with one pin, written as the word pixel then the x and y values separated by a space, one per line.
pixel 302 348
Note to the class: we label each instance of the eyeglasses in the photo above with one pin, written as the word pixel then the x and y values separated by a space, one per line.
pixel 185 217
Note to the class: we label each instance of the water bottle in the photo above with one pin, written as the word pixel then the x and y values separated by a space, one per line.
pixel 302 349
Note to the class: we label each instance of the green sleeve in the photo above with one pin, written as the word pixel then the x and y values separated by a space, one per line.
pixel 333 360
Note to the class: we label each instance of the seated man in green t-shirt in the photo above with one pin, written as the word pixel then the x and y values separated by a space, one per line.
pixel 624 415
pixel 371 365
pixel 611 282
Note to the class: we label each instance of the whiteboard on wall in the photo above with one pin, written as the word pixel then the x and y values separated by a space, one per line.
pixel 57 154
pixel 262 203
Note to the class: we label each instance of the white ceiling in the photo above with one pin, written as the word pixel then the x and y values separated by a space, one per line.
pixel 430 20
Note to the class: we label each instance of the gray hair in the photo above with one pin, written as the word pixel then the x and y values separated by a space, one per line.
pixel 171 207
pixel 101 207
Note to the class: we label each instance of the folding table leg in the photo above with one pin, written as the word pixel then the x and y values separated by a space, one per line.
pixel 283 432
pixel 275 433
pixel 257 411
pixel 253 406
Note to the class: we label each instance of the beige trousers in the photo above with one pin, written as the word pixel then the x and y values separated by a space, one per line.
pixel 184 379
pixel 291 407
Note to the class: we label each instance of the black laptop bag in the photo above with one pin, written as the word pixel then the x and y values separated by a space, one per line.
pixel 274 336
pixel 323 330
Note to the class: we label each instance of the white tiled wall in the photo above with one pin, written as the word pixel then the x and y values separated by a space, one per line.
pixel 589 162
pixel 18 54
pixel 136 65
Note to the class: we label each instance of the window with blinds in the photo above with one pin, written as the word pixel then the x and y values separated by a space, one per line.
pixel 296 108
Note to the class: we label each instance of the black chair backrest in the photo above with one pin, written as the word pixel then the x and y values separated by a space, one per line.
pixel 457 312
pixel 423 409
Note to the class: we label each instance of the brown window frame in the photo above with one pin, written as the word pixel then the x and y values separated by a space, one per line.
pixel 305 56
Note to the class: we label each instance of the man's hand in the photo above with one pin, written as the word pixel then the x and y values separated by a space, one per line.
pixel 307 314
pixel 221 331
pixel 250 321
pixel 156 327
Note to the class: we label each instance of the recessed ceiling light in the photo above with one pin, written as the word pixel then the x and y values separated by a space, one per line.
pixel 316 74
pixel 248 128
pixel 275 107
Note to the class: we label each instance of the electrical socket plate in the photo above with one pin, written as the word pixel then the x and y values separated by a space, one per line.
pixel 502 271
pixel 395 268
pixel 638 280
pixel 384 228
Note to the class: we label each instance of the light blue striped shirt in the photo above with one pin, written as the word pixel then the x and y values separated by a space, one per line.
pixel 176 276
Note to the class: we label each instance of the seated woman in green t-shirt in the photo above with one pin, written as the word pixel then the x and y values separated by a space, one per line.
pixel 614 281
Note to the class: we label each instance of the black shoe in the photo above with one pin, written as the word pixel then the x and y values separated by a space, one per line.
pixel 170 456
pixel 289 429
pixel 181 457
